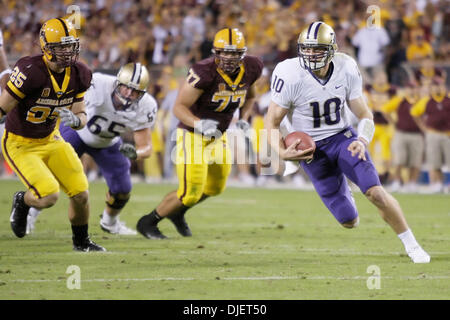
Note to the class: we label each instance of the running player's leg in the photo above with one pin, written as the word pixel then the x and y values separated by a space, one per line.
pixel 68 170
pixel 332 188
pixel 363 173
pixel 115 168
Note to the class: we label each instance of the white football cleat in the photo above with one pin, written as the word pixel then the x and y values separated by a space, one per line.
pixel 418 255
pixel 118 227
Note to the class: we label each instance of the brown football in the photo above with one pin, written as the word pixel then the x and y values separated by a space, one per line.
pixel 306 140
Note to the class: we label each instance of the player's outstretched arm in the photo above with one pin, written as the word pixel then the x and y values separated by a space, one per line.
pixel 185 99
pixel 79 110
pixel 143 142
pixel 247 108
pixel 366 127
pixel 7 103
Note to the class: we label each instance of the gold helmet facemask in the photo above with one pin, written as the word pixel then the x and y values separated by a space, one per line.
pixel 59 42
pixel 134 79
pixel 316 46
pixel 229 49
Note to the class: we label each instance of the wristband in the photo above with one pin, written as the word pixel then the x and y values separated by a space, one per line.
pixel 366 129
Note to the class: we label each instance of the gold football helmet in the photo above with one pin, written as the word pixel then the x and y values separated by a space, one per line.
pixel 59 42
pixel 131 84
pixel 229 49
pixel 316 45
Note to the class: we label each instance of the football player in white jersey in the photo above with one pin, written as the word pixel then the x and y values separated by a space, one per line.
pixel 321 88
pixel 114 105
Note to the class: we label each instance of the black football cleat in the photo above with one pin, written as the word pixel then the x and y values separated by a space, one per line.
pixel 19 213
pixel 148 229
pixel 87 245
pixel 180 223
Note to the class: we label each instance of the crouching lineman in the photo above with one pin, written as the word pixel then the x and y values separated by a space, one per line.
pixel 114 105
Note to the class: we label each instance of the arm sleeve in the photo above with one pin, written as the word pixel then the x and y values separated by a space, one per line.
pixel 23 79
pixel 419 108
pixel 199 76
pixel 355 81
pixel 146 116
pixel 85 76
pixel 280 89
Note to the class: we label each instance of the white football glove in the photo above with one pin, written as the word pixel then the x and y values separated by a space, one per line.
pixel 206 127
pixel 128 150
pixel 244 126
pixel 69 118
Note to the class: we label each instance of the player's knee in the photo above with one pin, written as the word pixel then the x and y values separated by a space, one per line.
pixel 81 198
pixel 191 200
pixel 351 224
pixel 378 196
pixel 48 201
pixel 211 192
pixel 117 200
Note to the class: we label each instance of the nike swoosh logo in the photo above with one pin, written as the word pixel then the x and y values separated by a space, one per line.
pixel 70 91
pixel 337 87
pixel 241 85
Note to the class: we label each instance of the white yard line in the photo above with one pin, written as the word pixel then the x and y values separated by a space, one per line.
pixel 300 277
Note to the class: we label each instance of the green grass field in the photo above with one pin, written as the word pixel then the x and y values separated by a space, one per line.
pixel 247 244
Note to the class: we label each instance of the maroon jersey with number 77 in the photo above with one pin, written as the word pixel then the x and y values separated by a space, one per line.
pixel 222 94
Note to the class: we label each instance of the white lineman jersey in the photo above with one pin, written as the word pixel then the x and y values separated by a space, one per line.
pixel 317 107
pixel 104 123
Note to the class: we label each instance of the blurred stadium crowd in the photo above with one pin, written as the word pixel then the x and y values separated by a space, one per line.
pixel 404 57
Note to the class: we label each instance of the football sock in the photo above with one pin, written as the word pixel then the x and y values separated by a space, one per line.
pixel 80 233
pixel 183 210
pixel 108 219
pixel 34 212
pixel 408 239
pixel 154 217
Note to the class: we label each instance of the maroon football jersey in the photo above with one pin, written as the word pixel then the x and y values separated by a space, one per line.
pixel 39 92
pixel 405 121
pixel 221 96
pixel 437 114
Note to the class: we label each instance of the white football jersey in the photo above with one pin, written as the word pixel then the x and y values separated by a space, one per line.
pixel 105 124
pixel 316 107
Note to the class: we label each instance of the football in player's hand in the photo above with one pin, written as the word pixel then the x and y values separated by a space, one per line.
pixel 306 140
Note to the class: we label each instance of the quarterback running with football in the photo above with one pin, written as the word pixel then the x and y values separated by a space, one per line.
pixel 42 91
pixel 320 88
pixel 114 105
pixel 214 89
